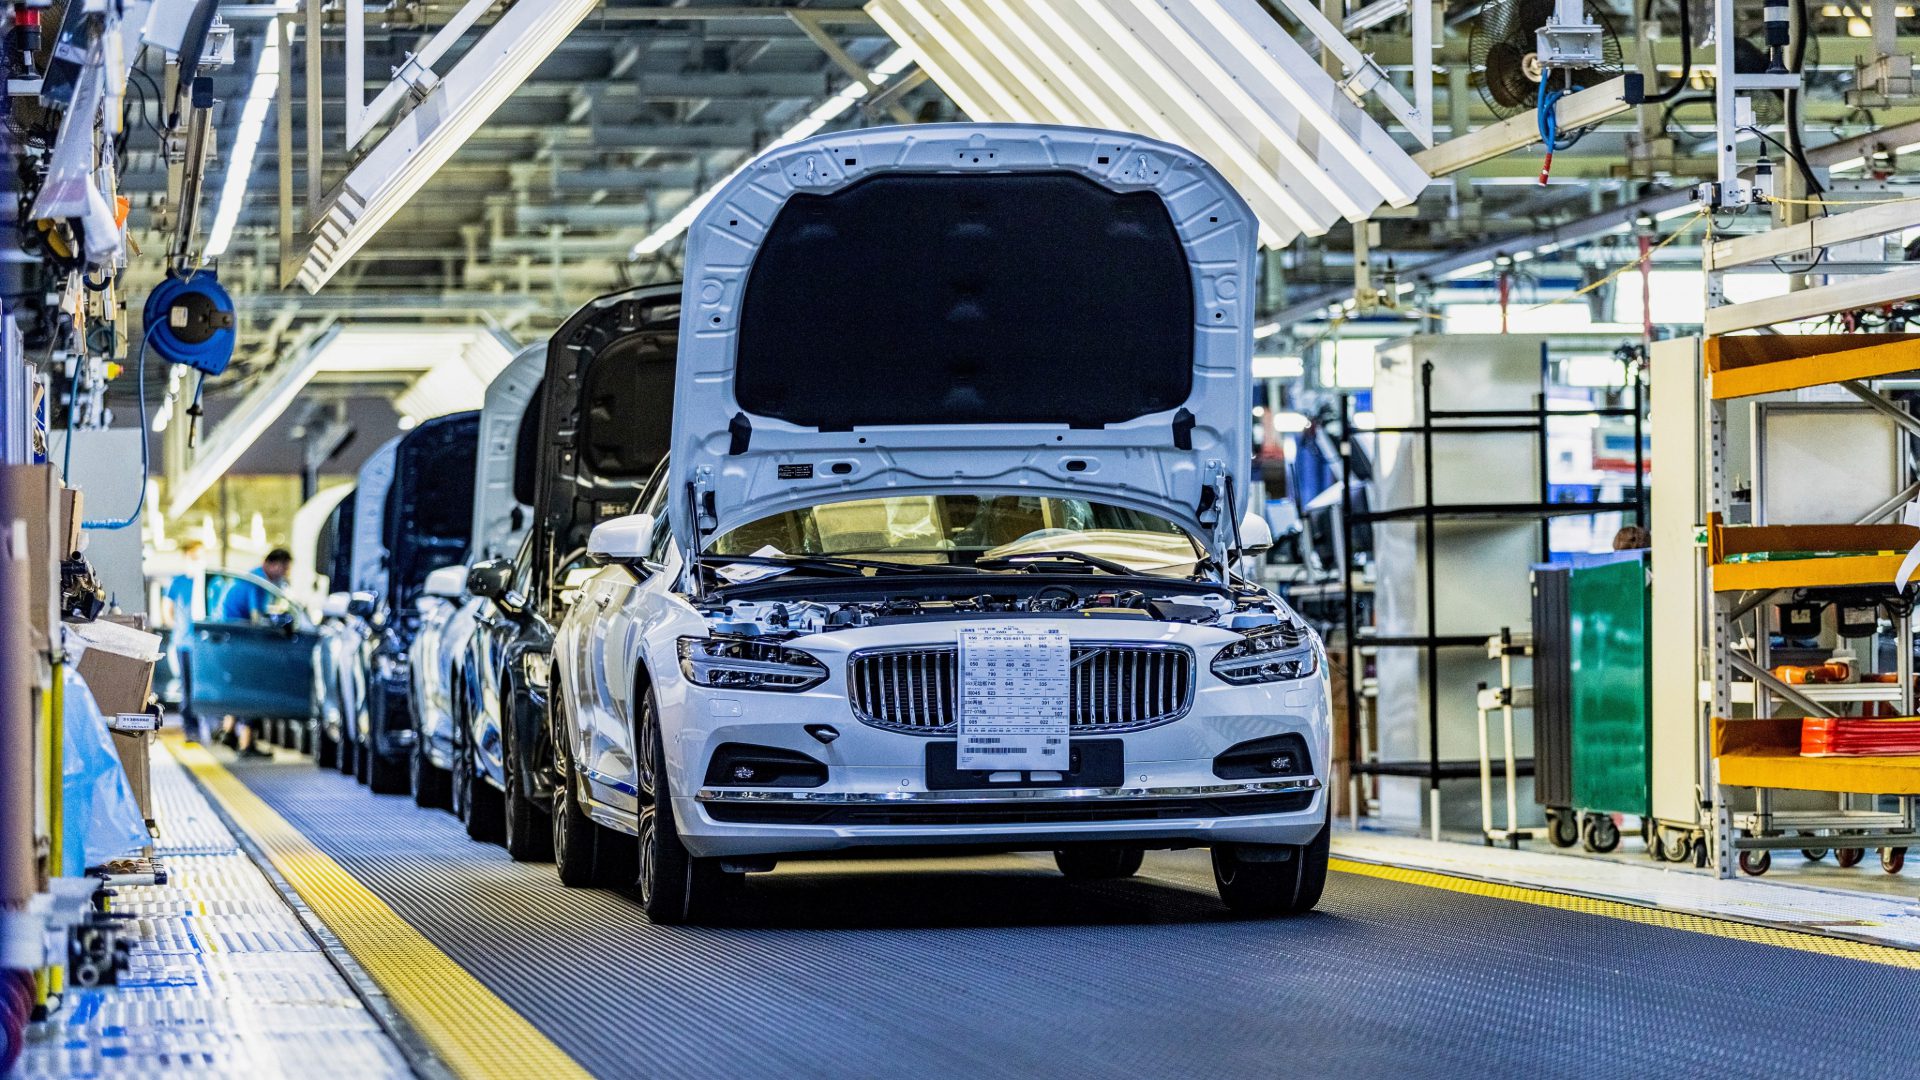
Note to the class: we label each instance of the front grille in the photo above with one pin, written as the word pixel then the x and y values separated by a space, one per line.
pixel 1116 686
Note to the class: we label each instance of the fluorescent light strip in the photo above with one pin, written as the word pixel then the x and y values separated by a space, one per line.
pixel 1035 38
pixel 1123 61
pixel 951 76
pixel 1200 66
pixel 1007 100
pixel 487 75
pixel 823 114
pixel 1291 84
pixel 246 141
pixel 1024 77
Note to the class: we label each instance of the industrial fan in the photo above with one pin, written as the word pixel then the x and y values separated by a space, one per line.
pixel 1503 49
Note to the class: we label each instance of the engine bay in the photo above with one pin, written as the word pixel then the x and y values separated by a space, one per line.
pixel 1239 609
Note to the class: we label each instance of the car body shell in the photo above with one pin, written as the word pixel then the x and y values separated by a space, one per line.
pixel 1185 459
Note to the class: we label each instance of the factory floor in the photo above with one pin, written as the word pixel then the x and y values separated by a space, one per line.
pixel 1422 960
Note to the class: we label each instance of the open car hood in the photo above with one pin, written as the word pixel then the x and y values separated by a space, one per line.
pixel 604 407
pixel 429 504
pixel 966 308
pixel 508 456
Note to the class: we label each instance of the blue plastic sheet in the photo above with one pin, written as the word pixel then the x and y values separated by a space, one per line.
pixel 100 818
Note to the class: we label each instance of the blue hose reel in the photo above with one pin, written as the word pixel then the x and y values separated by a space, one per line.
pixel 189 321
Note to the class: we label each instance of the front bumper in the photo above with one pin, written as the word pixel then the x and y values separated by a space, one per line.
pixel 876 794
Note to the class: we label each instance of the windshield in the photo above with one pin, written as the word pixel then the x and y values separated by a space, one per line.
pixel 966 529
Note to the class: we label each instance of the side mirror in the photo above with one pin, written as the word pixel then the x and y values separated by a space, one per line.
pixel 334 606
pixel 621 539
pixel 447 583
pixel 491 579
pixel 1256 536
pixel 361 605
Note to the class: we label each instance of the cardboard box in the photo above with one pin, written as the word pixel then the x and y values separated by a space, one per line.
pixel 30 494
pixel 72 513
pixel 135 749
pixel 117 662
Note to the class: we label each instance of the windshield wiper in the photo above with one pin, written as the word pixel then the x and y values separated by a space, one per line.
pixel 830 563
pixel 1026 559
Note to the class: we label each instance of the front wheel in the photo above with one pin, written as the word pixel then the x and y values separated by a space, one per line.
pixel 1268 880
pixel 675 887
pixel 1099 862
pixel 525 832
pixel 586 853
pixel 432 787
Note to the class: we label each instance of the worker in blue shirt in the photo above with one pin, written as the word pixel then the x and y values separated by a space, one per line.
pixel 246 601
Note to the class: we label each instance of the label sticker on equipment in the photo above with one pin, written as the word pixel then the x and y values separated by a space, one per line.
pixel 1014 688
pixel 796 472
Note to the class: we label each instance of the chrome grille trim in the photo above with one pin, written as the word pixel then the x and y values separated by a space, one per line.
pixel 1115 686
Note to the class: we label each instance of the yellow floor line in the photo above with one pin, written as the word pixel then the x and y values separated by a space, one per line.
pixel 1646 916
pixel 474 1033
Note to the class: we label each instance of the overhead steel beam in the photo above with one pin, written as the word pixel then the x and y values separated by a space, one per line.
pixel 1577 110
pixel 1434 270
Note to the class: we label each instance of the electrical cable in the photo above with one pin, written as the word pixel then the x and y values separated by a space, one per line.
pixel 140 502
pixel 1634 265
pixel 1686 54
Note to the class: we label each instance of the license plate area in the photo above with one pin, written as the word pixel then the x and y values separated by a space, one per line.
pixel 1091 763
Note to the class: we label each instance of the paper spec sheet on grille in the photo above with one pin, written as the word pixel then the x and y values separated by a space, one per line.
pixel 1014 689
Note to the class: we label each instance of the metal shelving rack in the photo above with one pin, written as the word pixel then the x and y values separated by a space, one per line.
pixel 1756 754
pixel 1435 424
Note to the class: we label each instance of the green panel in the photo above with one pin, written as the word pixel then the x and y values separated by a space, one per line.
pixel 1607 602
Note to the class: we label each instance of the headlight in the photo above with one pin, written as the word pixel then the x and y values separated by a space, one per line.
pixel 1272 654
pixel 741 663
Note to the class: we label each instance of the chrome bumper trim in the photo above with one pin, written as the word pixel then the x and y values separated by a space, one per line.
pixel 839 798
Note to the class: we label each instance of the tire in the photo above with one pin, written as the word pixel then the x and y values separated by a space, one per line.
pixel 675 887
pixel 385 775
pixel 1893 859
pixel 431 786
pixel 1101 862
pixel 1755 863
pixel 1563 830
pixel 484 808
pixel 586 854
pixel 1849 856
pixel 1599 834
pixel 1814 854
pixel 524 830
pixel 325 748
pixel 361 765
pixel 286 735
pixel 1272 889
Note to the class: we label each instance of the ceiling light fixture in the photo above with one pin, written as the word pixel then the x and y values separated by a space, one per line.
pixel 422 141
pixel 246 141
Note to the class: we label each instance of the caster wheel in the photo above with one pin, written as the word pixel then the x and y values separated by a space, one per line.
pixel 1814 854
pixel 1755 862
pixel 1562 830
pixel 1892 859
pixel 1676 847
pixel 1849 856
pixel 1599 834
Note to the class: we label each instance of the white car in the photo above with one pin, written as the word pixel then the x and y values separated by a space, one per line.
pixel 939 559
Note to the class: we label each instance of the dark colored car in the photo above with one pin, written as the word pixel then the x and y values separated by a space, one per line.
pixel 425 519
pixel 606 407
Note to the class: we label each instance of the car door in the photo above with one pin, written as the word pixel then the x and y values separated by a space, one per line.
pixel 246 668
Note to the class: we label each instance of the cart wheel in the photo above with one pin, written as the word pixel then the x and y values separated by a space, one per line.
pixel 1892 859
pixel 1756 862
pixel 1699 845
pixel 1677 847
pixel 1599 834
pixel 1849 856
pixel 1656 848
pixel 1562 829
pixel 1814 854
